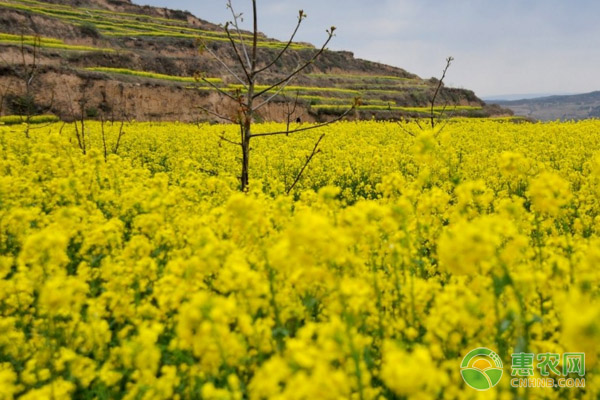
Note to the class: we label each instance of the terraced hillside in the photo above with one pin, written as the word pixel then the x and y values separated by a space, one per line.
pixel 110 58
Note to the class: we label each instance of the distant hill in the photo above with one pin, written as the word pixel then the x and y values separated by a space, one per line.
pixel 519 96
pixel 549 108
pixel 99 57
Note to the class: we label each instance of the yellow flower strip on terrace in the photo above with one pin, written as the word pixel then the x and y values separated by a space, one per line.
pixel 20 119
pixel 50 43
pixel 89 11
pixel 153 75
pixel 216 38
pixel 392 107
pixel 146 274
pixel 382 88
pixel 302 89
pixel 331 100
pixel 8 37
pixel 154 27
pixel 378 92
pixel 85 16
pixel 363 77
pixel 132 27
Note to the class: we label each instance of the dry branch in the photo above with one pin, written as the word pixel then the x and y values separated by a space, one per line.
pixel 314 152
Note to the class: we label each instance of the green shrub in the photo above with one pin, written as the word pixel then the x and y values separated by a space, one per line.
pixel 91 112
pixel 89 29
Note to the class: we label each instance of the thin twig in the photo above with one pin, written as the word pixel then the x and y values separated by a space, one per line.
pixel 224 65
pixel 301 17
pixel 239 31
pixel 236 51
pixel 303 67
pixel 290 112
pixel 437 89
pixel 308 128
pixel 278 91
pixel 446 121
pixel 203 79
pixel 441 114
pixel 216 114
pixel 404 129
pixel 419 124
pixel 103 137
pixel 223 138
pixel 121 133
pixel 314 152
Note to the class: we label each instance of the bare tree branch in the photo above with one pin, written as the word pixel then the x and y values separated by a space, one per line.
pixel 254 39
pixel 446 121
pixel 216 114
pixel 314 152
pixel 278 91
pixel 419 124
pixel 239 31
pixel 291 110
pixel 301 17
pixel 80 138
pixel 224 65
pixel 307 128
pixel 404 129
pixel 103 137
pixel 29 73
pixel 119 136
pixel 437 89
pixel 223 138
pixel 303 67
pixel 218 89
pixel 236 51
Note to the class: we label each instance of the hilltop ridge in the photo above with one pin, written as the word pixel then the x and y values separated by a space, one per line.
pixel 140 61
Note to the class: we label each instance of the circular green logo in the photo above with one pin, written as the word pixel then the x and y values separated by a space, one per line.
pixel 481 369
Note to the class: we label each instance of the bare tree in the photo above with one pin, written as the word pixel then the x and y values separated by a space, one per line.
pixel 250 98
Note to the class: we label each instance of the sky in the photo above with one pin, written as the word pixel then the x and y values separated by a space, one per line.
pixel 500 47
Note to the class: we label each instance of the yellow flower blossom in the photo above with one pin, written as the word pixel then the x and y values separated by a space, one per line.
pixel 148 275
